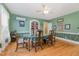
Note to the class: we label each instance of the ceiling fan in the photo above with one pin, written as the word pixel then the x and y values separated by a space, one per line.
pixel 44 10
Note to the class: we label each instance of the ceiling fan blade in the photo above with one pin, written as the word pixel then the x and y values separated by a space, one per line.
pixel 45 7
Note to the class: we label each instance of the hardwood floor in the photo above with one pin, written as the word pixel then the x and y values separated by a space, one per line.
pixel 60 48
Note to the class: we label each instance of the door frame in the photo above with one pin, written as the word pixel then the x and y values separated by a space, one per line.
pixel 35 21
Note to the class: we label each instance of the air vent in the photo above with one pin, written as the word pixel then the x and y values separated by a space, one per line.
pixel 20 18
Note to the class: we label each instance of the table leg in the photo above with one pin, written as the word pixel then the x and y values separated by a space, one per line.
pixel 29 45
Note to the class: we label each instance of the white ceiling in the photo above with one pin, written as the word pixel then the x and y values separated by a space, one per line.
pixel 29 9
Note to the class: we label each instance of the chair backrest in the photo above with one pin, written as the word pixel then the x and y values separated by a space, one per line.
pixel 39 35
pixel 50 37
pixel 52 32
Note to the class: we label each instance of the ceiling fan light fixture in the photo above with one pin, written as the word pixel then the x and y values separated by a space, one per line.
pixel 46 12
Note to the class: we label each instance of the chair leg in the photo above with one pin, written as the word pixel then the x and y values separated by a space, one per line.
pixel 26 45
pixel 16 48
pixel 32 44
pixel 54 40
pixel 29 45
pixel 51 42
pixel 23 45
pixel 41 45
pixel 35 47
pixel 47 42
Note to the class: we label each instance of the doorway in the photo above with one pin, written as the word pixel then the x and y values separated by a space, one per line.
pixel 34 26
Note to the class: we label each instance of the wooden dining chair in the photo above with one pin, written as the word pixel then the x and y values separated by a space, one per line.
pixel 38 42
pixel 54 35
pixel 20 42
pixel 51 37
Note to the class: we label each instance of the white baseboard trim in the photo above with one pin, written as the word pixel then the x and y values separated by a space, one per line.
pixel 68 33
pixel 70 41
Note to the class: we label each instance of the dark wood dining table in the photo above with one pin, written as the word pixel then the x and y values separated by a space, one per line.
pixel 32 38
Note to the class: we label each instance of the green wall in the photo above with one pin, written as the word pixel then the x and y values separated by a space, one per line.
pixel 72 19
pixel 14 24
pixel 73 33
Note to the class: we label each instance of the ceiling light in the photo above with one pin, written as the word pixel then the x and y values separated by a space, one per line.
pixel 45 11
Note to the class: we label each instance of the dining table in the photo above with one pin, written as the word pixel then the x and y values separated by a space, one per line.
pixel 32 38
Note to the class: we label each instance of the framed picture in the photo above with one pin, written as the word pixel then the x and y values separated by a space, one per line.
pixel 60 24
pixel 67 26
pixel 21 23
